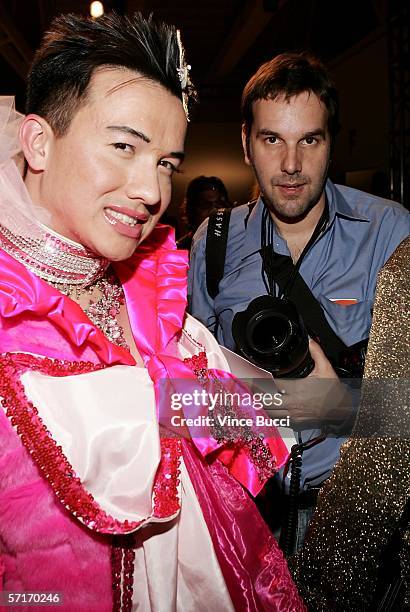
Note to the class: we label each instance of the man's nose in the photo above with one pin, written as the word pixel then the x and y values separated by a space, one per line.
pixel 291 160
pixel 144 185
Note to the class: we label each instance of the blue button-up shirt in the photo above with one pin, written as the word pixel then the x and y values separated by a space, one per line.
pixel 361 234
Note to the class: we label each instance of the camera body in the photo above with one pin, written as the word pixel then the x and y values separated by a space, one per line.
pixel 271 334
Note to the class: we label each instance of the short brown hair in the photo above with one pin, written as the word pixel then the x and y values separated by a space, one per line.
pixel 288 75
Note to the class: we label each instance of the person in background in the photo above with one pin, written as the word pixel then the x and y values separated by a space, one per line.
pixel 204 195
pixel 101 508
pixel 318 244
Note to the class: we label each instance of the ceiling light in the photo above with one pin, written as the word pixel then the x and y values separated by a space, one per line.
pixel 96 9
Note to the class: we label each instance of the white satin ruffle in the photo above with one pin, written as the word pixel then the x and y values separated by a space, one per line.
pixel 176 568
pixel 196 337
pixel 106 425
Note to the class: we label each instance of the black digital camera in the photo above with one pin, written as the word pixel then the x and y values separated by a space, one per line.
pixel 271 334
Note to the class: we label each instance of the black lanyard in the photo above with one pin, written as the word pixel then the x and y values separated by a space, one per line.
pixel 268 252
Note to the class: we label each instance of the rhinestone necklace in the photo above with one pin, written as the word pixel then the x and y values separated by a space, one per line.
pixel 74 271
pixel 54 258
pixel 104 310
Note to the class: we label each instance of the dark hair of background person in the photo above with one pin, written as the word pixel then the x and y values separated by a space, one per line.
pixel 255 192
pixel 204 195
pixel 192 209
pixel 288 75
pixel 172 220
pixel 75 46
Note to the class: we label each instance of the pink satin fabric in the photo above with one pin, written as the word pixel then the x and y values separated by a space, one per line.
pixel 253 566
pixel 36 318
pixel 48 323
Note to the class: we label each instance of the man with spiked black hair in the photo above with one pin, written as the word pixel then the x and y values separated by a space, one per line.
pixel 93 500
pixel 74 48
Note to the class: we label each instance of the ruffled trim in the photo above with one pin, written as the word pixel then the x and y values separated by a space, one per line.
pixel 55 466
pixel 35 318
pixel 249 459
pixel 155 285
pixel 154 281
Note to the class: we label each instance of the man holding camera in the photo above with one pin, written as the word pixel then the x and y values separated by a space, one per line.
pixel 305 240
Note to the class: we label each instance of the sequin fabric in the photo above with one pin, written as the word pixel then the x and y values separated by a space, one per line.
pixel 258 451
pixel 122 572
pixel 74 271
pixel 51 460
pixel 103 312
pixel 166 486
pixel 361 504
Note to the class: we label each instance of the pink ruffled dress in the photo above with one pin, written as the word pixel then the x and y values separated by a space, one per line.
pixel 94 503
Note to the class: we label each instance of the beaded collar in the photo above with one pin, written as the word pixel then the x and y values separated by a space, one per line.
pixel 55 259
pixel 73 270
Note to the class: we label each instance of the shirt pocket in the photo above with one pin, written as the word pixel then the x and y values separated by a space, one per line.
pixel 351 323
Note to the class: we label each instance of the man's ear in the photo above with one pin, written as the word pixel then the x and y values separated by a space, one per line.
pixel 36 138
pixel 245 145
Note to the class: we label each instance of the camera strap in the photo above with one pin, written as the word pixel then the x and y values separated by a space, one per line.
pixel 215 251
pixel 290 281
pixel 216 242
pixel 281 270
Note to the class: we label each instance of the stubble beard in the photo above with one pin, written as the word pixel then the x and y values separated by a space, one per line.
pixel 291 208
pixel 294 208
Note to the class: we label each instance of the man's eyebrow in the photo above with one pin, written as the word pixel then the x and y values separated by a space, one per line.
pixel 317 132
pixel 129 130
pixel 267 132
pixel 177 154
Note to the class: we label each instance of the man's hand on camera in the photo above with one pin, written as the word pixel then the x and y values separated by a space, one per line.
pixel 323 368
pixel 318 401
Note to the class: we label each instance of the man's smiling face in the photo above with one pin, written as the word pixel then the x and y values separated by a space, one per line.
pixel 107 180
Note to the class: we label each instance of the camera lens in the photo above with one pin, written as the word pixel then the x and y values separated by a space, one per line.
pixel 271 334
pixel 268 331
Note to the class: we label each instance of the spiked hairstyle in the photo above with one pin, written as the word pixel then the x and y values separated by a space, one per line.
pixel 75 46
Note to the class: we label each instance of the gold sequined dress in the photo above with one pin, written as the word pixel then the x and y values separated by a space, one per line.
pixel 362 502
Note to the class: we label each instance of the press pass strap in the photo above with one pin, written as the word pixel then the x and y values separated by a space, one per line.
pixel 216 241
pixel 289 528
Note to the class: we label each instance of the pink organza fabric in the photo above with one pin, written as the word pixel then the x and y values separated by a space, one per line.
pixel 247 552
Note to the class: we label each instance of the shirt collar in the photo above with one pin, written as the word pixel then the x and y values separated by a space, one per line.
pixel 252 242
pixel 338 206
